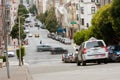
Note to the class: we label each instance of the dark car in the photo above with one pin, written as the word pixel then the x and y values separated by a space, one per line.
pixel 43 47
pixel 37 25
pixel 58 50
pixel 114 53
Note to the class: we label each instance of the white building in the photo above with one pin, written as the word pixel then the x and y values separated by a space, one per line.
pixel 13 11
pixel 87 10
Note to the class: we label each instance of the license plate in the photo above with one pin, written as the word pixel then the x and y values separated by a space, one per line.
pixel 99 55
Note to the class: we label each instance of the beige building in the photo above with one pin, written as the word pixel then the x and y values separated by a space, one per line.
pixel 66 14
pixel 4 23
pixel 8 14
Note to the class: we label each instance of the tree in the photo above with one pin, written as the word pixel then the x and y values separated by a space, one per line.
pixel 15 32
pixel 51 21
pixel 115 14
pixel 41 17
pixel 33 9
pixel 79 37
pixel 103 25
pixel 22 10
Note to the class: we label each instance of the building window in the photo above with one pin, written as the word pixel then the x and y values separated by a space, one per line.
pixel 92 0
pixel 97 1
pixel 82 10
pixel 92 10
pixel 81 0
pixel 87 24
pixel 82 21
pixel 77 16
pixel 77 6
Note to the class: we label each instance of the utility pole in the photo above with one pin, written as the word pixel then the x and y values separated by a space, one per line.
pixel 19 44
pixel 6 26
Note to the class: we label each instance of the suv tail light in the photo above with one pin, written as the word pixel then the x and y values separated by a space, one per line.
pixel 84 51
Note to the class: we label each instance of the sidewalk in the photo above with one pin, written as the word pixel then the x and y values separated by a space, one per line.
pixel 16 73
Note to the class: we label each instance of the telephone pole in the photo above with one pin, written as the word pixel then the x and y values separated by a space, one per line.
pixel 6 19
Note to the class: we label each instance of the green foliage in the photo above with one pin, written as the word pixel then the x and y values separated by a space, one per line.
pixel 79 37
pixel 15 32
pixel 3 57
pixel 115 14
pixel 41 17
pixel 51 21
pixel 103 25
pixel 22 10
pixel 22 13
pixel 33 9
pixel 22 52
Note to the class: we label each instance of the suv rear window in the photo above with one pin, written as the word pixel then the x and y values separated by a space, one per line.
pixel 94 44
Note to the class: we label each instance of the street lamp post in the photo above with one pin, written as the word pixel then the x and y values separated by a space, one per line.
pixel 6 25
pixel 19 44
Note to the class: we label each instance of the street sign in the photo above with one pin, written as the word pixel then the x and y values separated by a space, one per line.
pixel 73 22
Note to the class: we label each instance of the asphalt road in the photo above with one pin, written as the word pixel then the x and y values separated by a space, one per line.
pixel 44 66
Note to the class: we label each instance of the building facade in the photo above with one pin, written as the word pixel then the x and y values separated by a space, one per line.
pixel 4 23
pixel 1 25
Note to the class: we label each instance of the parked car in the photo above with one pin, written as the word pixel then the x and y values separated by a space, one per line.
pixel 43 47
pixel 70 57
pixel 30 35
pixel 66 41
pixel 58 50
pixel 26 31
pixel 93 50
pixel 114 53
pixel 11 53
pixel 50 35
pixel 37 35
pixel 66 57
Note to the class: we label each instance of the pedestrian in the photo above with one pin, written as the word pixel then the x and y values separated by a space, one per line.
pixel 40 41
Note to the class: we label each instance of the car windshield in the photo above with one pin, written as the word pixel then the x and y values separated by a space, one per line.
pixel 94 44
pixel 117 48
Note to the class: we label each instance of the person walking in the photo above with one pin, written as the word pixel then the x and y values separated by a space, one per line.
pixel 40 41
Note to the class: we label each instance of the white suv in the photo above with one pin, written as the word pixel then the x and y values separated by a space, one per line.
pixel 93 50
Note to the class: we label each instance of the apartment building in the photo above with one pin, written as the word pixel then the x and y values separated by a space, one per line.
pixel 87 10
pixel 13 12
pixel 42 5
pixel 4 23
pixel 1 26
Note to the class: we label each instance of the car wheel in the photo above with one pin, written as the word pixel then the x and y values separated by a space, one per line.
pixel 53 52
pixel 78 63
pixel 105 61
pixel 98 62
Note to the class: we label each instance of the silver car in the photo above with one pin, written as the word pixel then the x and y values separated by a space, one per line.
pixel 93 50
pixel 43 47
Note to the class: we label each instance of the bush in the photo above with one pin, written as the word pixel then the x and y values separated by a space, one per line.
pixel 22 52
pixel 4 58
